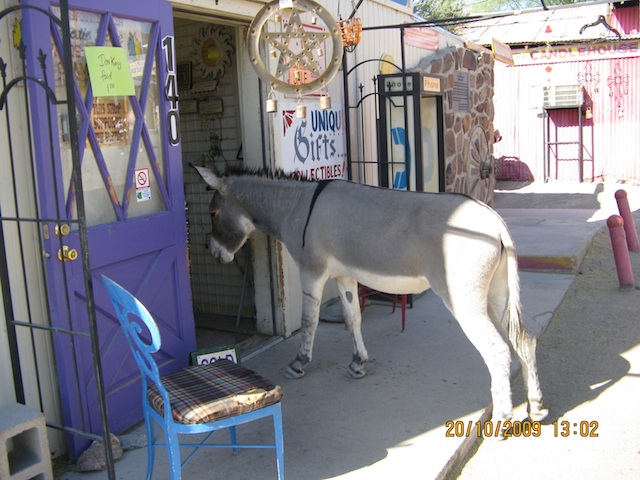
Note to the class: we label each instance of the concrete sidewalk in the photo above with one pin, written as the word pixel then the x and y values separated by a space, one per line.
pixel 393 420
pixel 393 423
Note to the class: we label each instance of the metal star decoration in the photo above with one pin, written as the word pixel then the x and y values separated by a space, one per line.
pixel 295 47
pixel 309 42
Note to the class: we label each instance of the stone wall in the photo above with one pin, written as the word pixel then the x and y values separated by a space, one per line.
pixel 469 132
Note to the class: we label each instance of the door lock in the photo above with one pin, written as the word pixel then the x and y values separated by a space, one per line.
pixel 62 229
pixel 66 253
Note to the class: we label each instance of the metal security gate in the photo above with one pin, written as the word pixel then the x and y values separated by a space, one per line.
pixel 408 151
pixel 104 170
pixel 24 229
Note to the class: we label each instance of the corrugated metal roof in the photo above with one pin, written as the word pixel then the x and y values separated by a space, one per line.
pixel 539 27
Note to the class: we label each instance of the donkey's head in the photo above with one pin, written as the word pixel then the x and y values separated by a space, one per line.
pixel 230 224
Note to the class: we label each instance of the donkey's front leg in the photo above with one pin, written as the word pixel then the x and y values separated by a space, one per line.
pixel 348 288
pixel 311 295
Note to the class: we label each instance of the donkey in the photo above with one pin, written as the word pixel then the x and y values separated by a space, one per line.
pixel 392 241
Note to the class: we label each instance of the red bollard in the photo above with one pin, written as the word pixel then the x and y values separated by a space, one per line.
pixel 620 251
pixel 629 224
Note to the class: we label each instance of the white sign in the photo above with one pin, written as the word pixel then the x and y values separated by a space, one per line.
pixel 142 178
pixel 143 184
pixel 314 146
pixel 212 357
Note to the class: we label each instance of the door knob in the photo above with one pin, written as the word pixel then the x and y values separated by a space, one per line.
pixel 66 253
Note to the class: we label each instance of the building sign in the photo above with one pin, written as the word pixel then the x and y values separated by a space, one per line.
pixel 460 94
pixel 422 37
pixel 314 146
pixel 568 53
pixel 431 84
pixel 109 117
pixel 397 83
pixel 501 51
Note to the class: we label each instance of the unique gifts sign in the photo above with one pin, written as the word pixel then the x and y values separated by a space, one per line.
pixel 314 146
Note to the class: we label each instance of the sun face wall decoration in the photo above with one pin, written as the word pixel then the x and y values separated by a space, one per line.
pixel 212 52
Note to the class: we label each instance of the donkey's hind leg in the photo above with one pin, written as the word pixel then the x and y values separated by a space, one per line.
pixel 471 313
pixel 312 287
pixel 348 288
pixel 525 348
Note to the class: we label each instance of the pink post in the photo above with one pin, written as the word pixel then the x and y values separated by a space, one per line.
pixel 629 224
pixel 620 251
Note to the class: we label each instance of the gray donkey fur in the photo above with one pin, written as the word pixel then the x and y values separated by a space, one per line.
pixel 391 241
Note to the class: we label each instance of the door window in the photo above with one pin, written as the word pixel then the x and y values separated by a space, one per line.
pixel 120 139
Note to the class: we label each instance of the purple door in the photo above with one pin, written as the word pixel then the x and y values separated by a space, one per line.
pixel 134 201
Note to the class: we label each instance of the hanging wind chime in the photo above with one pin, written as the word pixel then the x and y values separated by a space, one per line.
pixel 293 35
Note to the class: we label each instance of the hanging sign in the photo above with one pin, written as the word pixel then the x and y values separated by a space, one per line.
pixel 109 72
pixel 314 146
pixel 501 51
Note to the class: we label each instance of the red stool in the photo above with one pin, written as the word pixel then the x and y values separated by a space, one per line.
pixel 365 292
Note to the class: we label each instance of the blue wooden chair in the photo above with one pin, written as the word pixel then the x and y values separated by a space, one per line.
pixel 197 399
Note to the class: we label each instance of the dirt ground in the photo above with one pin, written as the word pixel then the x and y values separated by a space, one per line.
pixel 596 319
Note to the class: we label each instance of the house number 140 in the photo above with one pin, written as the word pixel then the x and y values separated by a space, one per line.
pixel 171 91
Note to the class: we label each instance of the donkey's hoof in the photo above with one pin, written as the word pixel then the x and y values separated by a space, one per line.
pixel 496 432
pixel 291 372
pixel 356 373
pixel 538 415
pixel 499 437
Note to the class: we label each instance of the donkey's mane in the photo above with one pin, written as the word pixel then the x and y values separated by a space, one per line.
pixel 271 174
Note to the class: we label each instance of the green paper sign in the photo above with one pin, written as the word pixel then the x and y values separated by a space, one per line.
pixel 109 71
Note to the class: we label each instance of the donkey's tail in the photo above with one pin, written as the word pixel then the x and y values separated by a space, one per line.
pixel 516 329
pixel 521 338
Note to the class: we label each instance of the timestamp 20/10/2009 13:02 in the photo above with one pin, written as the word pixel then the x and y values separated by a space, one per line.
pixel 561 428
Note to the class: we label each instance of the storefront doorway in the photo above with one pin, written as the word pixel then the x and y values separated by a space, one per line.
pixel 211 131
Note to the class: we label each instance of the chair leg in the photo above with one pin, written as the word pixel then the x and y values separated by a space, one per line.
pixel 151 449
pixel 403 307
pixel 173 452
pixel 362 296
pixel 279 441
pixel 234 439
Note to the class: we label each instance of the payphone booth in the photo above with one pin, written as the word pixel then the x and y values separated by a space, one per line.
pixel 411 150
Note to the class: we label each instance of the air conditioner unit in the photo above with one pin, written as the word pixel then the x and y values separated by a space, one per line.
pixel 563 96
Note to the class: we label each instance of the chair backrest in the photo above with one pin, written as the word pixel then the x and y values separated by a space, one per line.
pixel 133 315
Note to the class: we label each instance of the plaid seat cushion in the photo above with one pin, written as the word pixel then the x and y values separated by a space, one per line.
pixel 205 393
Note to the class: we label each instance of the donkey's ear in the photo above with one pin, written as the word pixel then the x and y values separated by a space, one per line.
pixel 214 181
